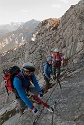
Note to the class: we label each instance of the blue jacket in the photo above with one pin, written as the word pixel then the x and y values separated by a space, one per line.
pixel 19 87
pixel 48 70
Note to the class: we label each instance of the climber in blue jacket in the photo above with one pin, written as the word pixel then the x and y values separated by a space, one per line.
pixel 22 86
pixel 47 73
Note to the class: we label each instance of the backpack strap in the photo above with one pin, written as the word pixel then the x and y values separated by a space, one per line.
pixel 21 77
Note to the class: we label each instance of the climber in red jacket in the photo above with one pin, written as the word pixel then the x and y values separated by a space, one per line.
pixel 56 63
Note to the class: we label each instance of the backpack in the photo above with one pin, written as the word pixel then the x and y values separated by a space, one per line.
pixel 9 75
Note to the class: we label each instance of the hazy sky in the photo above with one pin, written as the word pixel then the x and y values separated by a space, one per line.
pixel 24 10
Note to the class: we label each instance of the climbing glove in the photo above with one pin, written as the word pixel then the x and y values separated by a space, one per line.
pixel 35 111
pixel 40 95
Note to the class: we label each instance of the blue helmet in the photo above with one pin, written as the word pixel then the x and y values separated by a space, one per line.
pixel 49 59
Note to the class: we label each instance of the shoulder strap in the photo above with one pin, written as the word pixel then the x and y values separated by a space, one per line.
pixel 19 75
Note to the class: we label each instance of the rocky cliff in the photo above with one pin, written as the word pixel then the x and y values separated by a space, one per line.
pixel 66 33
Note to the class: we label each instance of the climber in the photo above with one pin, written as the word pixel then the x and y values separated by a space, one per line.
pixel 56 63
pixel 23 86
pixel 47 73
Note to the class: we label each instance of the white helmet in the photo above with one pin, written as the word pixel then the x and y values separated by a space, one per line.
pixel 56 50
pixel 28 67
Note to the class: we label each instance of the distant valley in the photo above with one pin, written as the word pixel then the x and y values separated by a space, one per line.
pixel 16 34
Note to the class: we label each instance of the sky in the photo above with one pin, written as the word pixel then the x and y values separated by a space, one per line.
pixel 25 10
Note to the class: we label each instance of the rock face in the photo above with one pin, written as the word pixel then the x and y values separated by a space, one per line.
pixel 69 106
pixel 66 33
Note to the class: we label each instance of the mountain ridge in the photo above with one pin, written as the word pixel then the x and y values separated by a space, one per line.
pixel 20 36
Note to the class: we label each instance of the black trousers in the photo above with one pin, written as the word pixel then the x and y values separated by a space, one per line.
pixel 47 83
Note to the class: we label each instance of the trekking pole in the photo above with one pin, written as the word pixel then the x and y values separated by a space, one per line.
pixel 58 81
pixel 59 84
pixel 41 101
pixel 49 108
pixel 44 105
pixel 53 113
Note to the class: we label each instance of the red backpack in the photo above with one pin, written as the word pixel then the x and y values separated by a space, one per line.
pixel 9 77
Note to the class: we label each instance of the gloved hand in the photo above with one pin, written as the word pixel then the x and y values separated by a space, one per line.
pixel 35 111
pixel 40 95
pixel 51 77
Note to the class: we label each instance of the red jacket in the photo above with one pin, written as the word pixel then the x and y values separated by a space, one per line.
pixel 56 59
